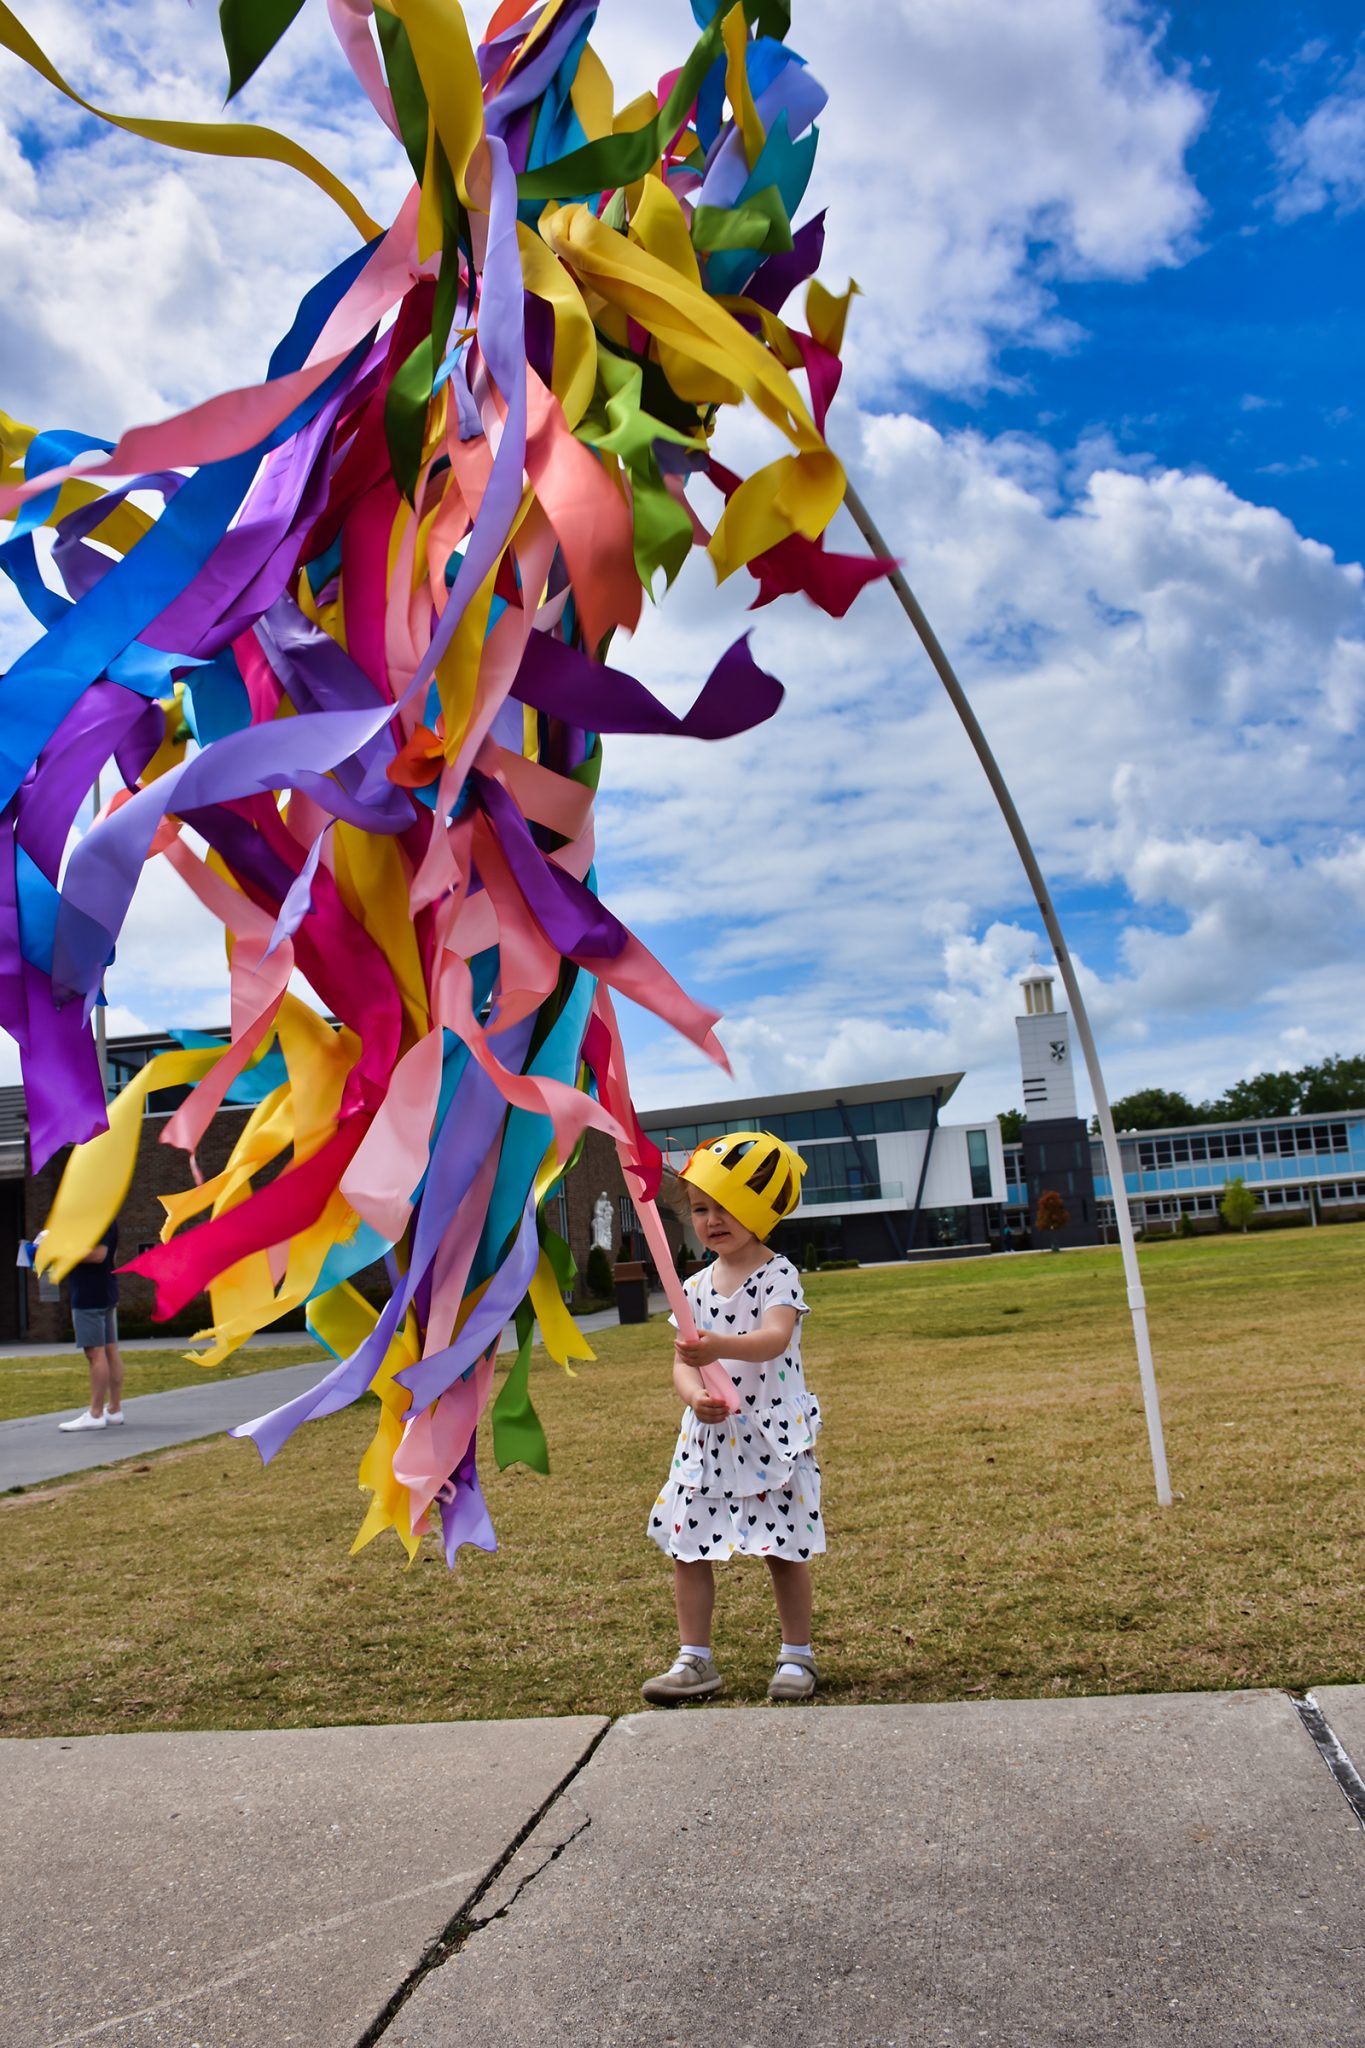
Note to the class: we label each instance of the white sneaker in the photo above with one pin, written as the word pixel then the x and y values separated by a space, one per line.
pixel 85 1420
pixel 114 1417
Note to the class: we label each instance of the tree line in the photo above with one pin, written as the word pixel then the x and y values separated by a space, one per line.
pixel 1335 1083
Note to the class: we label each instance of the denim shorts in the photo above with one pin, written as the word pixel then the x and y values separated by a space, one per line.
pixel 95 1327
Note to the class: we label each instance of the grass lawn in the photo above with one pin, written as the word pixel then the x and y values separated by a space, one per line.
pixel 988 1491
pixel 43 1385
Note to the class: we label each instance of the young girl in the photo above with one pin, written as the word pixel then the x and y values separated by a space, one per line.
pixel 745 1484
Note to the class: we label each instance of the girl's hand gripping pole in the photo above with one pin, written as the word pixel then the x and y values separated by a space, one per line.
pixel 715 1378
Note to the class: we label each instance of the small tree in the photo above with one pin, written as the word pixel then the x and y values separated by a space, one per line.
pixel 810 1258
pixel 598 1273
pixel 1052 1215
pixel 1185 1227
pixel 1238 1206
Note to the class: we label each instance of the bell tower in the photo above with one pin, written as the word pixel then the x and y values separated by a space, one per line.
pixel 1045 1052
pixel 1056 1144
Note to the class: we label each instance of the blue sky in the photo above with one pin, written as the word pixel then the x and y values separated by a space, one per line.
pixel 1103 394
pixel 1244 360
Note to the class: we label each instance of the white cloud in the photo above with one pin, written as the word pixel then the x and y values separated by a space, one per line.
pixel 1032 144
pixel 1171 678
pixel 1321 161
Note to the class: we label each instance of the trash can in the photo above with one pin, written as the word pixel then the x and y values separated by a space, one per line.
pixel 632 1295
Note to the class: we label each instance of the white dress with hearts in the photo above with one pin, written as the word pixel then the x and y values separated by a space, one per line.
pixel 750 1486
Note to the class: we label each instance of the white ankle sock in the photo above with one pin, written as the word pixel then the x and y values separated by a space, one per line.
pixel 693 1650
pixel 794 1650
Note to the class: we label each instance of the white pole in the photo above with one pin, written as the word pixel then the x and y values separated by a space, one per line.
pixel 1137 1300
pixel 100 1051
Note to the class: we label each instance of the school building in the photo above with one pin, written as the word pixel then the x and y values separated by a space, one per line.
pixel 1301 1169
pixel 888 1175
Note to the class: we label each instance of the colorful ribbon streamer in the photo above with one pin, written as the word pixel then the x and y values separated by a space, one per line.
pixel 360 652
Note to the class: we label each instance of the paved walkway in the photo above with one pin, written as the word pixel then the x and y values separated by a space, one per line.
pixel 1029 1874
pixel 33 1449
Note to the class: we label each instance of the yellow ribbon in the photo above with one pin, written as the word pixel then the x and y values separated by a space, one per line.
pixel 98 1174
pixel 713 361
pixel 202 138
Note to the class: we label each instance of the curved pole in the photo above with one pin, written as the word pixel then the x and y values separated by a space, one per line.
pixel 1137 1300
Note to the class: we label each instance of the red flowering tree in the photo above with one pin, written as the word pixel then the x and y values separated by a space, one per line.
pixel 1052 1215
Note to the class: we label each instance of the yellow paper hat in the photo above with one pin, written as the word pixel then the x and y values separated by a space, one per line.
pixel 727 1169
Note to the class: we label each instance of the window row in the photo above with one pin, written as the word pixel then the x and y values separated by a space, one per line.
pixel 1278 1141
pixel 797 1126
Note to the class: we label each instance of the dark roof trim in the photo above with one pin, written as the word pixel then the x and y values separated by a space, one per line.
pixel 759 1106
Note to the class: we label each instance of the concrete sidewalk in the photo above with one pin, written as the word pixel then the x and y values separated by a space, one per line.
pixel 33 1449
pixel 1026 1874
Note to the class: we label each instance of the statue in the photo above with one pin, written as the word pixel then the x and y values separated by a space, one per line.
pixel 603 1230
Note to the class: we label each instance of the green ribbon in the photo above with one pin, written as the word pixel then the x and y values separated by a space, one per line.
pixel 663 530
pixel 518 1438
pixel 759 223
pixel 405 415
pixel 563 1264
pixel 618 421
pixel 250 30
pixel 405 89
pixel 616 160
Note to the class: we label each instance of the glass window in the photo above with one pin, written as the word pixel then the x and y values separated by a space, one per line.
pixel 828 1124
pixel 861 1118
pixel 164 1101
pixel 800 1124
pixel 979 1160
pixel 1198 1148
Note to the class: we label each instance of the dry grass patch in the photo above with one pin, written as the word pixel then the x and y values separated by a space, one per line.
pixel 988 1493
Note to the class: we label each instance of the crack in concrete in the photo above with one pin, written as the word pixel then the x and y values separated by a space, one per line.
pixel 466 1921
pixel 1328 1745
pixel 477 1926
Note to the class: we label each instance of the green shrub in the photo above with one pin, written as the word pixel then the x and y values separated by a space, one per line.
pixel 598 1274
pixel 810 1259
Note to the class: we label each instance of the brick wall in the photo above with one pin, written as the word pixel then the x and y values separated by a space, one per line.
pixel 160 1169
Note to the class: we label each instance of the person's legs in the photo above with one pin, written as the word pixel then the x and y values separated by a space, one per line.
pixel 692 1674
pixel 792 1592
pixel 113 1359
pixel 97 1358
pixel 694 1594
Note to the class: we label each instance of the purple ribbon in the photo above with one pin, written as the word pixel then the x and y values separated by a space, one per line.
pixel 559 680
pixel 466 1519
pixel 774 281
pixel 576 922
pixel 430 1377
